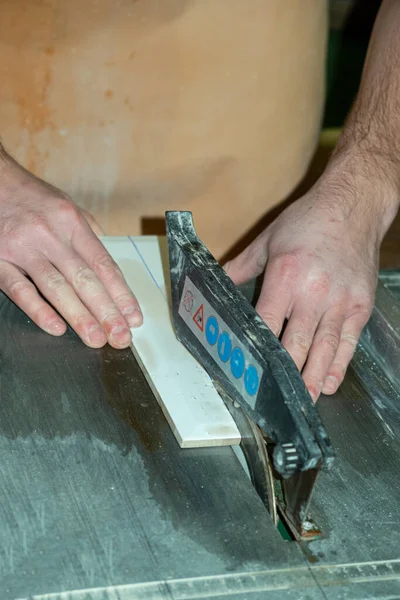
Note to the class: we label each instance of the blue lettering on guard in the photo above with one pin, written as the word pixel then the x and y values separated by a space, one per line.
pixel 212 330
pixel 251 380
pixel 224 346
pixel 237 363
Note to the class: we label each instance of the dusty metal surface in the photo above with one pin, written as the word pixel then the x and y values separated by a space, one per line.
pixel 381 337
pixel 357 503
pixel 98 501
pixel 97 493
pixel 391 279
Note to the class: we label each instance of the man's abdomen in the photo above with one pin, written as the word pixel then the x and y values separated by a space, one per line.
pixel 134 108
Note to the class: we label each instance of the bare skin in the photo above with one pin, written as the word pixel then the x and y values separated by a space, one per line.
pixel 322 284
pixel 48 244
pixel 321 255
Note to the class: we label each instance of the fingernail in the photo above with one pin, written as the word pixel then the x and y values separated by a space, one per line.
pixel 331 384
pixel 314 393
pixel 135 319
pixel 127 310
pixel 55 328
pixel 97 335
pixel 121 335
pixel 133 315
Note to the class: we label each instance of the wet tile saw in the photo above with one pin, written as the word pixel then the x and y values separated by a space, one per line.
pixel 283 438
pixel 99 501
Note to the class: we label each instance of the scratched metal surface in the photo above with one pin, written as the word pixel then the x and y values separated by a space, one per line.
pixel 357 503
pixel 391 279
pixel 96 492
pixel 98 498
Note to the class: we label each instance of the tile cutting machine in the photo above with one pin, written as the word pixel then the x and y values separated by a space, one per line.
pixel 99 502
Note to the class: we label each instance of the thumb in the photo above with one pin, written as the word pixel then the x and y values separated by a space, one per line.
pixel 249 263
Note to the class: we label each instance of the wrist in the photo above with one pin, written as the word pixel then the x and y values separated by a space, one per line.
pixel 363 185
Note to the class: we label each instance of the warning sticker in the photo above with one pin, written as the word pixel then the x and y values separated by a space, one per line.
pixel 199 318
pixel 188 301
pixel 218 339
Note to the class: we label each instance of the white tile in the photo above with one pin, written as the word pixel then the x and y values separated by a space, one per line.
pixel 192 406
pixel 157 262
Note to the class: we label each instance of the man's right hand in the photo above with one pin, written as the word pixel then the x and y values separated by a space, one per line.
pixel 47 246
pixel 320 258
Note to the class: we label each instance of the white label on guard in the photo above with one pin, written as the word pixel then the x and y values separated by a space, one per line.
pixel 220 342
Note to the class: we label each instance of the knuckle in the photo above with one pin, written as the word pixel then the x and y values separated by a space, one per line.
pixel 271 321
pixel 39 224
pixel 299 341
pixel 54 280
pixel 362 308
pixel 105 264
pixel 329 341
pixel 362 298
pixel 321 284
pixel 12 246
pixel 34 229
pixel 112 317
pixel 288 264
pixel 84 277
pixel 124 299
pixel 43 316
pixel 68 210
pixel 38 220
pixel 350 339
pixel 19 289
pixel 82 322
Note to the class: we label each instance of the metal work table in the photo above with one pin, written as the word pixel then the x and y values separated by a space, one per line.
pixel 100 503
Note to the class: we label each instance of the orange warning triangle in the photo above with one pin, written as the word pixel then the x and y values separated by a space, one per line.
pixel 199 318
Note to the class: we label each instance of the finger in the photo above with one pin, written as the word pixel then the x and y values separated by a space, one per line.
pixel 249 263
pixel 95 227
pixel 299 332
pixel 93 294
pixel 350 335
pixel 99 260
pixel 323 351
pixel 276 298
pixel 24 294
pixel 61 295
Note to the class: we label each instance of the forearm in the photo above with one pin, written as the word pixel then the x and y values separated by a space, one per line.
pixel 366 161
